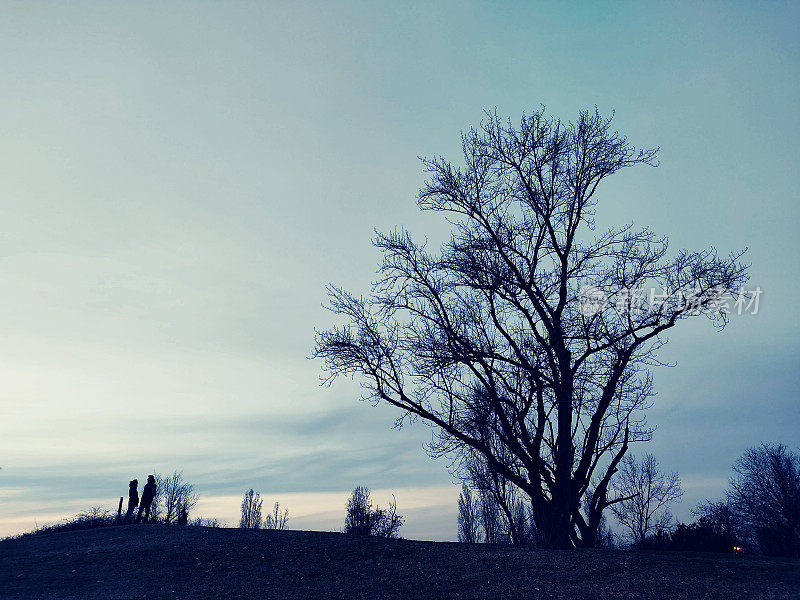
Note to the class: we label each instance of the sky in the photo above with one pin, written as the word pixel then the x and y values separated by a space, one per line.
pixel 180 181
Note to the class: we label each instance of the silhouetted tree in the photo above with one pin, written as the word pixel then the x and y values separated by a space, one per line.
pixel 497 332
pixel 644 494
pixel 491 521
pixel 765 491
pixel 387 521
pixel 523 526
pixel 362 519
pixel 469 510
pixel 497 494
pixel 251 510
pixel 175 495
pixel 277 519
pixel 358 519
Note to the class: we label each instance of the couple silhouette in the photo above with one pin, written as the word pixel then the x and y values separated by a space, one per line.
pixel 148 494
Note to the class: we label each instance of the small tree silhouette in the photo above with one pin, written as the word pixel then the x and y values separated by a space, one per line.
pixel 277 519
pixel 468 516
pixel 643 496
pixel 362 519
pixel 173 495
pixel 251 510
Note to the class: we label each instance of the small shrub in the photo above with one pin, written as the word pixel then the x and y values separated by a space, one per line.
pixel 277 519
pixel 95 517
pixel 362 519
pixel 206 522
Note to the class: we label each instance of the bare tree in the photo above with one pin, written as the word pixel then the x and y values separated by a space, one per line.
pixel 497 494
pixel 173 495
pixel 499 332
pixel 765 492
pixel 468 516
pixel 643 496
pixel 362 519
pixel 524 527
pixel 387 521
pixel 251 510
pixel 157 505
pixel 277 519
pixel 491 522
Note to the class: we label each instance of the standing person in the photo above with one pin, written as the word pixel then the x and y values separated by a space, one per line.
pixel 148 493
pixel 133 500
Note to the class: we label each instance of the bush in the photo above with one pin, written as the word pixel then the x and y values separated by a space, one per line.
pixel 362 519
pixel 277 519
pixel 95 517
pixel 702 536
pixel 206 522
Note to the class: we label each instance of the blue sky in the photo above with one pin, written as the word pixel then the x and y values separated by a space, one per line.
pixel 179 181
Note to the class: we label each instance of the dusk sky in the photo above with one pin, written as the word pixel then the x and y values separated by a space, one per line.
pixel 180 181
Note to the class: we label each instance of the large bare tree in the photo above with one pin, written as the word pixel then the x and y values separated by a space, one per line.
pixel 491 339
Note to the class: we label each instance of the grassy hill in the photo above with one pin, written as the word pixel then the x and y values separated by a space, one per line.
pixel 171 562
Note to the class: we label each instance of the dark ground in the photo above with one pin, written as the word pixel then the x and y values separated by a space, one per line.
pixel 150 561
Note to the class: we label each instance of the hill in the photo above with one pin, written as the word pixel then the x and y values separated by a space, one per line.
pixel 170 562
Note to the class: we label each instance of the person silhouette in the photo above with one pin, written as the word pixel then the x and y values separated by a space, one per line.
pixel 133 500
pixel 148 493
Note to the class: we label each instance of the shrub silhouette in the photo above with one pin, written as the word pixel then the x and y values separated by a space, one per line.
pixel 362 519
pixel 96 516
pixel 277 519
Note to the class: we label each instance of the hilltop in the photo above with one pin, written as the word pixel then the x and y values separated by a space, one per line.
pixel 153 561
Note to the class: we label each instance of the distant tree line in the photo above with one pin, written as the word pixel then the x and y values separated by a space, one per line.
pixel 760 511
pixel 361 516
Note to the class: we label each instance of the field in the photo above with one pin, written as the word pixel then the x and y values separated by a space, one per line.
pixel 151 562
